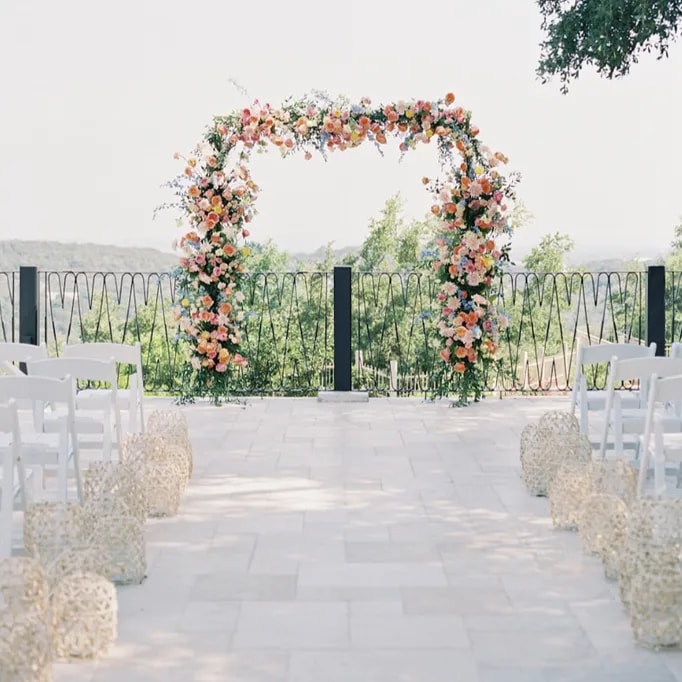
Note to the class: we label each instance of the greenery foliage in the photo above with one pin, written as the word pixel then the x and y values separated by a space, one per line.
pixel 609 35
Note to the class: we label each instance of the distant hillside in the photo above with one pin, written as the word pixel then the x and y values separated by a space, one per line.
pixel 83 257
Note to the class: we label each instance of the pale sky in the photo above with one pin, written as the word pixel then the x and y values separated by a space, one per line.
pixel 96 97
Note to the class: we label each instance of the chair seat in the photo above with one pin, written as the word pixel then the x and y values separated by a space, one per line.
pixel 596 400
pixel 88 395
pixel 89 422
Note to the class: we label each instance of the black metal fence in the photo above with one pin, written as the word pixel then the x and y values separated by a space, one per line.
pixel 289 324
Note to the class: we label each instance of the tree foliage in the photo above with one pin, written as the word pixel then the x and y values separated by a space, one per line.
pixel 609 35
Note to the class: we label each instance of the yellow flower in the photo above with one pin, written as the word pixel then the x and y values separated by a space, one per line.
pixel 205 335
pixel 246 251
pixel 409 113
pixel 429 133
pixel 185 303
pixel 478 170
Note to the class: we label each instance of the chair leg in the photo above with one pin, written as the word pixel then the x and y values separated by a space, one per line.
pixel 6 504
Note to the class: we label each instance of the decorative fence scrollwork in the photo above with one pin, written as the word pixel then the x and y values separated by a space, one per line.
pixel 288 328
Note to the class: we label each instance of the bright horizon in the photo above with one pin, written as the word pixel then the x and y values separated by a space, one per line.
pixel 90 121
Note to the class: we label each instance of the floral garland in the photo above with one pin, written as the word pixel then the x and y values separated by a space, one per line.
pixel 217 194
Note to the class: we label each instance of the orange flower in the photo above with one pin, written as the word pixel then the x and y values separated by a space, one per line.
pixel 461 352
pixel 229 250
pixel 450 98
pixel 450 207
pixel 435 209
pixel 425 181
pixel 460 367
pixel 364 121
pixel 380 138
pixel 206 301
pixel 194 191
pixel 225 308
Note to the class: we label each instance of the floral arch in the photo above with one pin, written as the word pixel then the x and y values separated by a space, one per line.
pixel 217 195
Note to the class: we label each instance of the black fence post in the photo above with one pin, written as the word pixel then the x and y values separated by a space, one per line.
pixel 655 307
pixel 29 305
pixel 342 329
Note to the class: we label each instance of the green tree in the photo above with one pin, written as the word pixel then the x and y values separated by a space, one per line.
pixel 609 35
pixel 538 309
pixel 266 257
pixel 673 285
pixel 548 255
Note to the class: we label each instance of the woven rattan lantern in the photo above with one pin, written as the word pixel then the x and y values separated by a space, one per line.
pixel 23 583
pixel 656 600
pixel 172 425
pixel 555 440
pixel 25 645
pixel 52 527
pixel 652 548
pixel 615 477
pixel 104 480
pixel 112 527
pixel 25 622
pixel 87 559
pixel 573 482
pixel 163 468
pixel 602 524
pixel 85 616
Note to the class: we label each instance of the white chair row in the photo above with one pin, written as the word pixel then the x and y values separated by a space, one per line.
pixel 43 418
pixel 129 399
pixel 651 408
pixel 13 481
pixel 593 356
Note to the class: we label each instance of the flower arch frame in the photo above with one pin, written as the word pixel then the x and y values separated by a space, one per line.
pixel 216 194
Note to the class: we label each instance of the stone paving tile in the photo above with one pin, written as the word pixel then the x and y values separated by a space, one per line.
pixel 376 542
pixel 292 625
pixel 389 665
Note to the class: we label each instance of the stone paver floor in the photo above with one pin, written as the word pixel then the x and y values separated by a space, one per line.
pixel 391 541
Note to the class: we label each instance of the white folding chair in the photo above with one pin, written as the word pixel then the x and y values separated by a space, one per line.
pixel 130 399
pixel 662 392
pixel 102 407
pixel 11 354
pixel 617 417
pixel 11 489
pixel 601 354
pixel 39 449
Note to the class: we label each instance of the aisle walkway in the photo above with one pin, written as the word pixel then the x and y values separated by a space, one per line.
pixel 384 542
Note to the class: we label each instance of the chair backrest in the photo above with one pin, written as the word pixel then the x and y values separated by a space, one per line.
pixel 12 353
pixel 666 388
pixel 37 388
pixel 604 352
pixel 123 353
pixel 129 354
pixel 87 369
pixel 644 368
pixel 40 391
